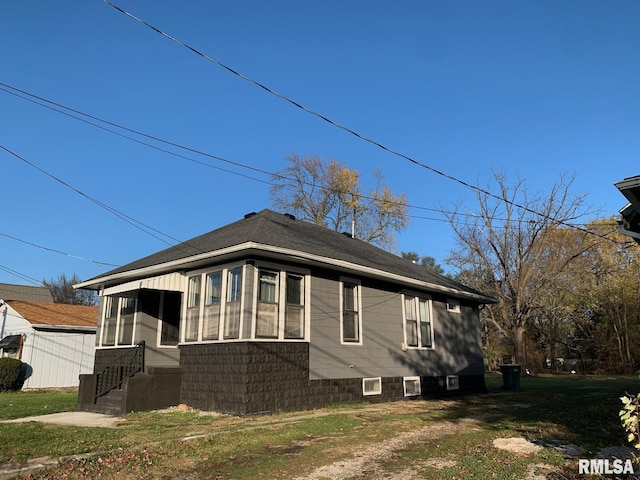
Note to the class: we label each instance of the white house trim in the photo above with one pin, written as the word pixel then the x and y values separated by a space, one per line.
pixel 253 247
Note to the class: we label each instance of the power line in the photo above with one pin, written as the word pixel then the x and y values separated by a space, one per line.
pixel 7 89
pixel 130 220
pixel 57 251
pixel 179 244
pixel 343 127
pixel 23 276
pixel 58 107
pixel 77 114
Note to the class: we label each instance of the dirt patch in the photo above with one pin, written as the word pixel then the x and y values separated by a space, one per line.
pixel 370 460
pixel 517 445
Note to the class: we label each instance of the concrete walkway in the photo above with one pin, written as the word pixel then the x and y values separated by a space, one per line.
pixel 78 419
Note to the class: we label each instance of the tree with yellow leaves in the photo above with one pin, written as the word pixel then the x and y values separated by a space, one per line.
pixel 330 194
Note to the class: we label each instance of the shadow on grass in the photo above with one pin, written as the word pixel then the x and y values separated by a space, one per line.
pixel 582 410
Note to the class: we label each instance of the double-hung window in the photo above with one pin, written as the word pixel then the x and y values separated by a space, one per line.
pixel 118 321
pixel 211 314
pixel 280 306
pixel 232 307
pixel 294 316
pixel 109 323
pixel 125 324
pixel 417 322
pixel 192 319
pixel 350 318
pixel 268 300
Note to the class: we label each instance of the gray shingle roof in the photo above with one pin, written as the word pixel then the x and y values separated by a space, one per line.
pixel 281 231
pixel 25 293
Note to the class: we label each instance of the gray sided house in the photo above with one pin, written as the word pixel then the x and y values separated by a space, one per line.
pixel 271 313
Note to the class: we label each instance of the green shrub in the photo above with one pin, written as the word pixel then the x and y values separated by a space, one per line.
pixel 11 374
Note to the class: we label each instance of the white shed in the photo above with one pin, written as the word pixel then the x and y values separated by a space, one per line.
pixel 56 341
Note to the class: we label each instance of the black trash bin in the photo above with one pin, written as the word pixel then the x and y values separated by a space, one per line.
pixel 510 377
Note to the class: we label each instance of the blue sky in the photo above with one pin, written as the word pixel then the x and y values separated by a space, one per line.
pixel 536 89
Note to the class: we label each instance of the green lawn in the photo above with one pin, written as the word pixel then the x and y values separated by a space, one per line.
pixel 570 409
pixel 36 402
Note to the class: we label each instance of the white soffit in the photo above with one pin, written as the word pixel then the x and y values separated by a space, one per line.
pixel 173 282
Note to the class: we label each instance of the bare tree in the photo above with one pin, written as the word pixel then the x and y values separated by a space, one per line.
pixel 502 249
pixel 62 291
pixel 330 194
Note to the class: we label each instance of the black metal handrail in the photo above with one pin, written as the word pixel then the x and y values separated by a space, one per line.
pixel 114 375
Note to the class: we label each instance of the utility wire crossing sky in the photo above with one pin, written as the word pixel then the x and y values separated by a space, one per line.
pixel 536 90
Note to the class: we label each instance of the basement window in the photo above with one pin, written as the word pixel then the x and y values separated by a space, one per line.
pixel 372 386
pixel 452 382
pixel 411 386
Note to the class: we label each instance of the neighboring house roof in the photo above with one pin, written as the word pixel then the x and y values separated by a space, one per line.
pixel 281 236
pixel 56 314
pixel 25 293
pixel 629 222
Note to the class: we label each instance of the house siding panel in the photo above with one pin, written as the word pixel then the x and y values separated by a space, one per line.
pixel 57 359
pixel 457 348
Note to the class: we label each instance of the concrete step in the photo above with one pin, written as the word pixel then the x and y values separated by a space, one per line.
pixel 110 403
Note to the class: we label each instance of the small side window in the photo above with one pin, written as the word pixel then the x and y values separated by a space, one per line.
pixel 452 382
pixel 453 306
pixel 411 386
pixel 372 386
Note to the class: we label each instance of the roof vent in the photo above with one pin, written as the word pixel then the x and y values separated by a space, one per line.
pixel 290 216
pixel 347 234
pixel 249 215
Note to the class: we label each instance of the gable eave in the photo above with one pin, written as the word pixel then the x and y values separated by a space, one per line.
pixel 282 254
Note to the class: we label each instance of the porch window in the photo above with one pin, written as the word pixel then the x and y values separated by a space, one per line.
pixel 125 323
pixel 118 321
pixel 212 309
pixel 213 296
pixel 232 308
pixel 268 296
pixel 193 310
pixel 417 322
pixel 280 304
pixel 294 310
pixel 351 320
pixel 109 321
